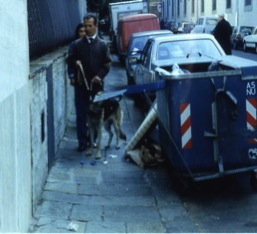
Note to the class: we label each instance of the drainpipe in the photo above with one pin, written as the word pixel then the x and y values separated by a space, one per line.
pixel 237 13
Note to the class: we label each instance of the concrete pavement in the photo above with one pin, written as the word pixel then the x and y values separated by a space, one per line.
pixel 113 197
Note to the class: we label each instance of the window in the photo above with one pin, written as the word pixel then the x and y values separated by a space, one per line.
pixel 146 55
pixel 172 10
pixel 185 7
pixel 178 7
pixel 214 5
pixel 248 2
pixel 228 4
pixel 202 6
pixel 193 7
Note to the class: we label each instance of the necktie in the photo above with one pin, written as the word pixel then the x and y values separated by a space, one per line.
pixel 91 39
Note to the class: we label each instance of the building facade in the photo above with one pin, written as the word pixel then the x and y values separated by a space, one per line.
pixel 237 12
pixel 35 102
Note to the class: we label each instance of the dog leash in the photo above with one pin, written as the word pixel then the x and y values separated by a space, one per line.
pixel 84 77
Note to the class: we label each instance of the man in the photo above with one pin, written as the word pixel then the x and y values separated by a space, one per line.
pixel 222 33
pixel 93 54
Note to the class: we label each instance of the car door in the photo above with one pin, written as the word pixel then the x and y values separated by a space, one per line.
pixel 143 73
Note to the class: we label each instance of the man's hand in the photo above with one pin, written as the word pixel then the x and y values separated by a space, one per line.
pixel 72 81
pixel 78 63
pixel 96 79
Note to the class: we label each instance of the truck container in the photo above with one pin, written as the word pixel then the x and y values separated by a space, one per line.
pixel 132 24
pixel 120 9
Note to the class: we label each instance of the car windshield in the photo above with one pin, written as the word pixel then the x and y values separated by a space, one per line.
pixel 211 21
pixel 246 30
pixel 138 44
pixel 186 48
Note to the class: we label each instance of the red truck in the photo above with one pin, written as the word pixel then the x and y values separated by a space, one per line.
pixel 132 24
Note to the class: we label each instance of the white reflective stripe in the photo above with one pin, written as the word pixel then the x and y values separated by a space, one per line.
pixel 186 137
pixel 251 109
pixel 185 115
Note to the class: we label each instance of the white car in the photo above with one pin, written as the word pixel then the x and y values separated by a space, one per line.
pixel 186 50
pixel 205 24
pixel 250 41
pixel 193 52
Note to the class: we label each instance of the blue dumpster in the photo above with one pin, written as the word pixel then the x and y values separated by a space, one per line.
pixel 208 121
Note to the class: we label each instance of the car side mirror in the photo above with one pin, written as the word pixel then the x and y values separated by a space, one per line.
pixel 133 60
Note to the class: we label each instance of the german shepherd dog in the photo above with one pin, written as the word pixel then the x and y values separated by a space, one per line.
pixel 107 113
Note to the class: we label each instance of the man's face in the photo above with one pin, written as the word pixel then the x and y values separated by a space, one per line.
pixel 90 27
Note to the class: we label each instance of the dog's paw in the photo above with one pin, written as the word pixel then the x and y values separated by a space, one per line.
pixel 98 156
pixel 117 147
pixel 107 147
pixel 89 151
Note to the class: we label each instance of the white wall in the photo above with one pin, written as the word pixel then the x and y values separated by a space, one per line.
pixel 237 14
pixel 23 99
pixel 15 155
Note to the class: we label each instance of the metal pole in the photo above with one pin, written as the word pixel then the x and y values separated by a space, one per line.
pixel 237 13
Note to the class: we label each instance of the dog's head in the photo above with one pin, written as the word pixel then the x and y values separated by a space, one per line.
pixel 96 108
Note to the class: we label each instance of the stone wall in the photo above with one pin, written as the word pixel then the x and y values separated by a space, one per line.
pixel 50 104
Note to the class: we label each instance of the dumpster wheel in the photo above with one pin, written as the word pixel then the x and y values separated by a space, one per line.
pixel 253 180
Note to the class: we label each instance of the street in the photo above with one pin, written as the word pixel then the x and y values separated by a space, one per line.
pixel 248 55
pixel 122 197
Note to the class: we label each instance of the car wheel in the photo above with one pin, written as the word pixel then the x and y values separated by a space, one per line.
pixel 245 47
pixel 130 80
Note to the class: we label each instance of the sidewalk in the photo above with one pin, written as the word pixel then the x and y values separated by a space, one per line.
pixel 117 197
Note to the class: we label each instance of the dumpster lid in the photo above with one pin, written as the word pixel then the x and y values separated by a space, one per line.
pixel 131 89
pixel 248 67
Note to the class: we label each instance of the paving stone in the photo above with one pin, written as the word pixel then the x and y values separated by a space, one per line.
pixel 66 197
pixel 121 201
pixel 46 225
pixel 130 214
pixel 61 186
pixel 106 227
pixel 182 224
pixel 172 211
pixel 116 189
pixel 146 227
pixel 53 209
pixel 87 213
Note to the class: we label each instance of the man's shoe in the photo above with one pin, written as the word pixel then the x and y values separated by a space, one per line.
pixel 81 148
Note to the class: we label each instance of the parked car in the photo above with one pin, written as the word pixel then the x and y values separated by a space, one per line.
pixel 250 41
pixel 205 24
pixel 238 34
pixel 185 27
pixel 173 27
pixel 137 42
pixel 191 52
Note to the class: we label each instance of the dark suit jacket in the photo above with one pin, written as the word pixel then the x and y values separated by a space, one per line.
pixel 222 33
pixel 95 58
